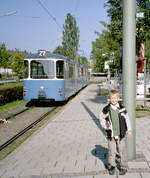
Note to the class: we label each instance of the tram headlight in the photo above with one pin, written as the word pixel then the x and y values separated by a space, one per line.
pixel 41 88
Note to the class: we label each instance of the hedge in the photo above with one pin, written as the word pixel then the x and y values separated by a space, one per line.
pixel 11 93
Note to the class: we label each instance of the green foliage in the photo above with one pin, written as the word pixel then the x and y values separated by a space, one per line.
pixel 84 60
pixel 143 25
pixel 103 92
pixel 59 50
pixel 70 41
pixel 110 40
pixel 4 56
pixel 115 12
pixel 10 93
pixel 12 59
pixel 12 105
pixel 104 49
pixel 142 108
pixel 17 63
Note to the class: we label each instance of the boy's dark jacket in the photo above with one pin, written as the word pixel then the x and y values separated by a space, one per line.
pixel 106 120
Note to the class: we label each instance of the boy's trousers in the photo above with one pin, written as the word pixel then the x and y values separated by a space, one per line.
pixel 117 146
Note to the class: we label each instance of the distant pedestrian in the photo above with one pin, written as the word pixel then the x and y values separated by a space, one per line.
pixel 114 119
pixel 140 66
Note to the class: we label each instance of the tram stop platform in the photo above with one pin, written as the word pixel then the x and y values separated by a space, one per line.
pixel 73 145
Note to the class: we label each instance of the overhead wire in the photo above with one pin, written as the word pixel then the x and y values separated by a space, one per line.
pixel 54 18
pixel 47 11
pixel 25 16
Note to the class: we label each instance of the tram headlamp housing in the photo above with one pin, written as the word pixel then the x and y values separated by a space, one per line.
pixel 41 88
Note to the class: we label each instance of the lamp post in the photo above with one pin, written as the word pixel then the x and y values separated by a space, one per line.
pixel 129 69
pixel 9 13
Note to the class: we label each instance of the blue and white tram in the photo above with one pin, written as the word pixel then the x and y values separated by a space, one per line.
pixel 54 77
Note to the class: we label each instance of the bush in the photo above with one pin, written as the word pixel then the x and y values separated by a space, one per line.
pixel 10 93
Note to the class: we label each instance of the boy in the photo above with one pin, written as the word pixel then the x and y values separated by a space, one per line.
pixel 114 119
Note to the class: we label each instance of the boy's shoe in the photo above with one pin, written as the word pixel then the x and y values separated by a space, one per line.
pixel 111 170
pixel 122 171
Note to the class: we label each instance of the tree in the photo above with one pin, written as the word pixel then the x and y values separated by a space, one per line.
pixel 70 42
pixel 84 60
pixel 105 48
pixel 4 56
pixel 17 63
pixel 143 25
pixel 115 12
pixel 59 50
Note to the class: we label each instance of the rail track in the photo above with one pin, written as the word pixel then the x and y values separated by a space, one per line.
pixel 18 126
pixel 13 115
pixel 25 129
pixel 21 122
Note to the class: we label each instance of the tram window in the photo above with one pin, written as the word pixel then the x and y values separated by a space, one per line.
pixel 71 73
pixel 82 72
pixel 79 72
pixel 42 69
pixel 26 69
pixel 60 69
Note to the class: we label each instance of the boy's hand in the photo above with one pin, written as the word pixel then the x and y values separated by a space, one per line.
pixel 108 128
pixel 129 134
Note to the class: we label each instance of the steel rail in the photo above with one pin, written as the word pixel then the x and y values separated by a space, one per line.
pixel 25 130
pixel 17 113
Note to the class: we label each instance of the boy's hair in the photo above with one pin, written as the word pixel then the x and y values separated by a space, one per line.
pixel 113 92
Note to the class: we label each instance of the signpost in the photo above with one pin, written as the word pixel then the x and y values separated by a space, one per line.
pixel 129 69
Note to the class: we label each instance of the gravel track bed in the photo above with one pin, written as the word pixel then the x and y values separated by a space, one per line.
pixel 14 109
pixel 15 125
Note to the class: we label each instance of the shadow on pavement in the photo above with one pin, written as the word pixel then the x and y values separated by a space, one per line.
pixel 100 99
pixel 101 152
pixel 94 118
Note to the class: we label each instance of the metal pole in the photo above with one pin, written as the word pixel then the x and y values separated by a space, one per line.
pixel 129 70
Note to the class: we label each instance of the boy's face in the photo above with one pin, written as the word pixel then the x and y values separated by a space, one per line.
pixel 114 98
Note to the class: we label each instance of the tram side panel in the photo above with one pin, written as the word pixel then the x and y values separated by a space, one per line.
pixel 70 81
pixel 76 78
pixel 79 79
pixel 85 77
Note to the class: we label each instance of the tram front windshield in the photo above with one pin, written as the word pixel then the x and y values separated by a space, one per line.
pixel 26 69
pixel 42 69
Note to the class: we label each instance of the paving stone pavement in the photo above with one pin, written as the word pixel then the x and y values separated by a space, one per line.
pixel 73 145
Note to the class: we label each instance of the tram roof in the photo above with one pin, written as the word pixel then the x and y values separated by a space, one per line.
pixel 44 54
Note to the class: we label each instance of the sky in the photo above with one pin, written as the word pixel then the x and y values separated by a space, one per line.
pixel 37 24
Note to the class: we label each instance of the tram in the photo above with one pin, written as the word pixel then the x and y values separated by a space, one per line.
pixel 53 77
